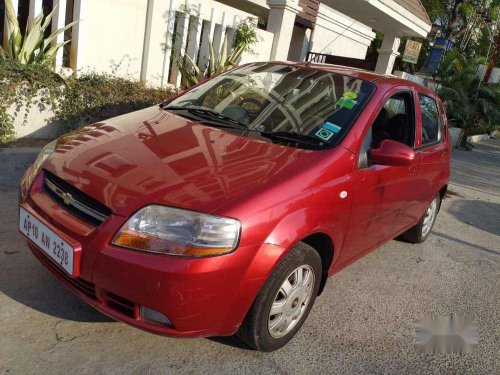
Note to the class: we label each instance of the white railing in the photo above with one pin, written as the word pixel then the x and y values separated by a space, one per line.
pixel 132 33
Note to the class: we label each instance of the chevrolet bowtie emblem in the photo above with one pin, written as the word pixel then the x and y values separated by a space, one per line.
pixel 67 198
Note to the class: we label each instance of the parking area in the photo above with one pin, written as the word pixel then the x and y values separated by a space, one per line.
pixel 364 322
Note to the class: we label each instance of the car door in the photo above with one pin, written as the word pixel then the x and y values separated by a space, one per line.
pixel 431 148
pixel 380 192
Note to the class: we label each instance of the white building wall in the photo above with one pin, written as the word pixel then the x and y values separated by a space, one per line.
pixel 262 50
pixel 113 34
pixel 352 38
pixel 113 40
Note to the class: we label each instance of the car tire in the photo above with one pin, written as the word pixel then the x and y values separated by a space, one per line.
pixel 421 231
pixel 291 293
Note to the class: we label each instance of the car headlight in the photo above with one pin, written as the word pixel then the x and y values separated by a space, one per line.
pixel 46 151
pixel 167 230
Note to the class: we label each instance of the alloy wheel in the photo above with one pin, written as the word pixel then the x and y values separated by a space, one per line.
pixel 291 301
pixel 429 216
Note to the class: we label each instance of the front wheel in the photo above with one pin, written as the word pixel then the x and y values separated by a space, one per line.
pixel 284 302
pixel 420 232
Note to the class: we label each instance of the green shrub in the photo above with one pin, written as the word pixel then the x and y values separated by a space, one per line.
pixel 76 100
pixel 95 97
pixel 21 86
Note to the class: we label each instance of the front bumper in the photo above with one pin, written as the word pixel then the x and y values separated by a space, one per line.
pixel 200 297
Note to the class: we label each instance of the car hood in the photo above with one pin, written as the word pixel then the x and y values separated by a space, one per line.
pixel 154 156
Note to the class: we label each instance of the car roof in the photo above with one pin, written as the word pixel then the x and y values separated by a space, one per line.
pixel 365 75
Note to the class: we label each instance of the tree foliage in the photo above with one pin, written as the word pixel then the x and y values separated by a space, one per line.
pixel 470 103
pixel 455 16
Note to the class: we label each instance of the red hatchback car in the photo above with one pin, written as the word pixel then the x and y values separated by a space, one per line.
pixel 225 209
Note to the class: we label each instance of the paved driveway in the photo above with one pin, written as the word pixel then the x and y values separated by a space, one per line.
pixel 363 323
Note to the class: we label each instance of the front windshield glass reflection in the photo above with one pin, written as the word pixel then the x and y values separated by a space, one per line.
pixel 284 99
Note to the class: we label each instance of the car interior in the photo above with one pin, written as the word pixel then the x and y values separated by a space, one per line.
pixel 395 121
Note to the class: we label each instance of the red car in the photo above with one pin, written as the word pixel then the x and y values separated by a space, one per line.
pixel 225 209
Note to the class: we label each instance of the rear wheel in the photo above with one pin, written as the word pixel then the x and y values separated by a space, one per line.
pixel 284 302
pixel 421 231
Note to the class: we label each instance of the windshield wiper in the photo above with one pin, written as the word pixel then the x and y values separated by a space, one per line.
pixel 294 137
pixel 209 114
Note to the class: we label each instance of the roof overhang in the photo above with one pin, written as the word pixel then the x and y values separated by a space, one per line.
pixel 386 16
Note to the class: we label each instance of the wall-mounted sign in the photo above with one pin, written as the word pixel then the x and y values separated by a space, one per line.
pixel 441 46
pixel 412 51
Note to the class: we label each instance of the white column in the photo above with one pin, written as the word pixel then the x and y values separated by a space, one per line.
pixel 231 33
pixel 195 35
pixel 78 35
pixel 207 37
pixel 179 47
pixel 280 22
pixel 168 41
pixel 220 34
pixel 147 40
pixel 387 54
pixel 35 9
pixel 305 44
pixel 6 31
pixel 59 21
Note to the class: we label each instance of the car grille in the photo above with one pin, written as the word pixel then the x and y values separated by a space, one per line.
pixel 73 200
pixel 120 304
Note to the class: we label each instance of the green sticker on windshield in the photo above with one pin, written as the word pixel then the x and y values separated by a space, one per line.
pixel 324 134
pixel 347 100
pixel 346 103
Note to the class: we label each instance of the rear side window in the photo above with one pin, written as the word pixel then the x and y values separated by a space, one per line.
pixel 431 122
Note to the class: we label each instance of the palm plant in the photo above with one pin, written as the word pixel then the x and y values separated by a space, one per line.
pixel 192 73
pixel 470 103
pixel 32 46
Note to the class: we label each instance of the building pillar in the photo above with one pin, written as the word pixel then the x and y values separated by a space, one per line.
pixel 206 38
pixel 78 35
pixel 179 48
pixel 305 44
pixel 387 54
pixel 280 22
pixel 147 40
pixel 58 22
pixel 6 31
pixel 194 36
pixel 35 9
pixel 231 33
pixel 168 42
pixel 220 35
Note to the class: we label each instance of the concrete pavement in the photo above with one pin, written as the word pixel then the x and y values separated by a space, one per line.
pixel 363 323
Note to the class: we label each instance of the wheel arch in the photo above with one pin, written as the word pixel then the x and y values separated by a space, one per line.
pixel 323 244
pixel 443 191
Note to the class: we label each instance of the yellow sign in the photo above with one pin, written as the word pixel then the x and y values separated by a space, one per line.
pixel 412 51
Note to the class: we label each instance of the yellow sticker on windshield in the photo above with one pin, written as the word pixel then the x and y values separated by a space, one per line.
pixel 350 95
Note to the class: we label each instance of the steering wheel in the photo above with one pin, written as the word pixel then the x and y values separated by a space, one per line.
pixel 252 106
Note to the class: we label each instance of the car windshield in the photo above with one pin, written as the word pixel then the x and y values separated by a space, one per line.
pixel 295 105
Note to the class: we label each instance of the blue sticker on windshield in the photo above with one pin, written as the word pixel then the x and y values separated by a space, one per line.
pixel 324 134
pixel 332 127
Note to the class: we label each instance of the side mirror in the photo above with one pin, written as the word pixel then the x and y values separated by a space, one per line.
pixel 391 153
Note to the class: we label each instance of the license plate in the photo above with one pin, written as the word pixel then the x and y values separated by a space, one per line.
pixel 48 241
